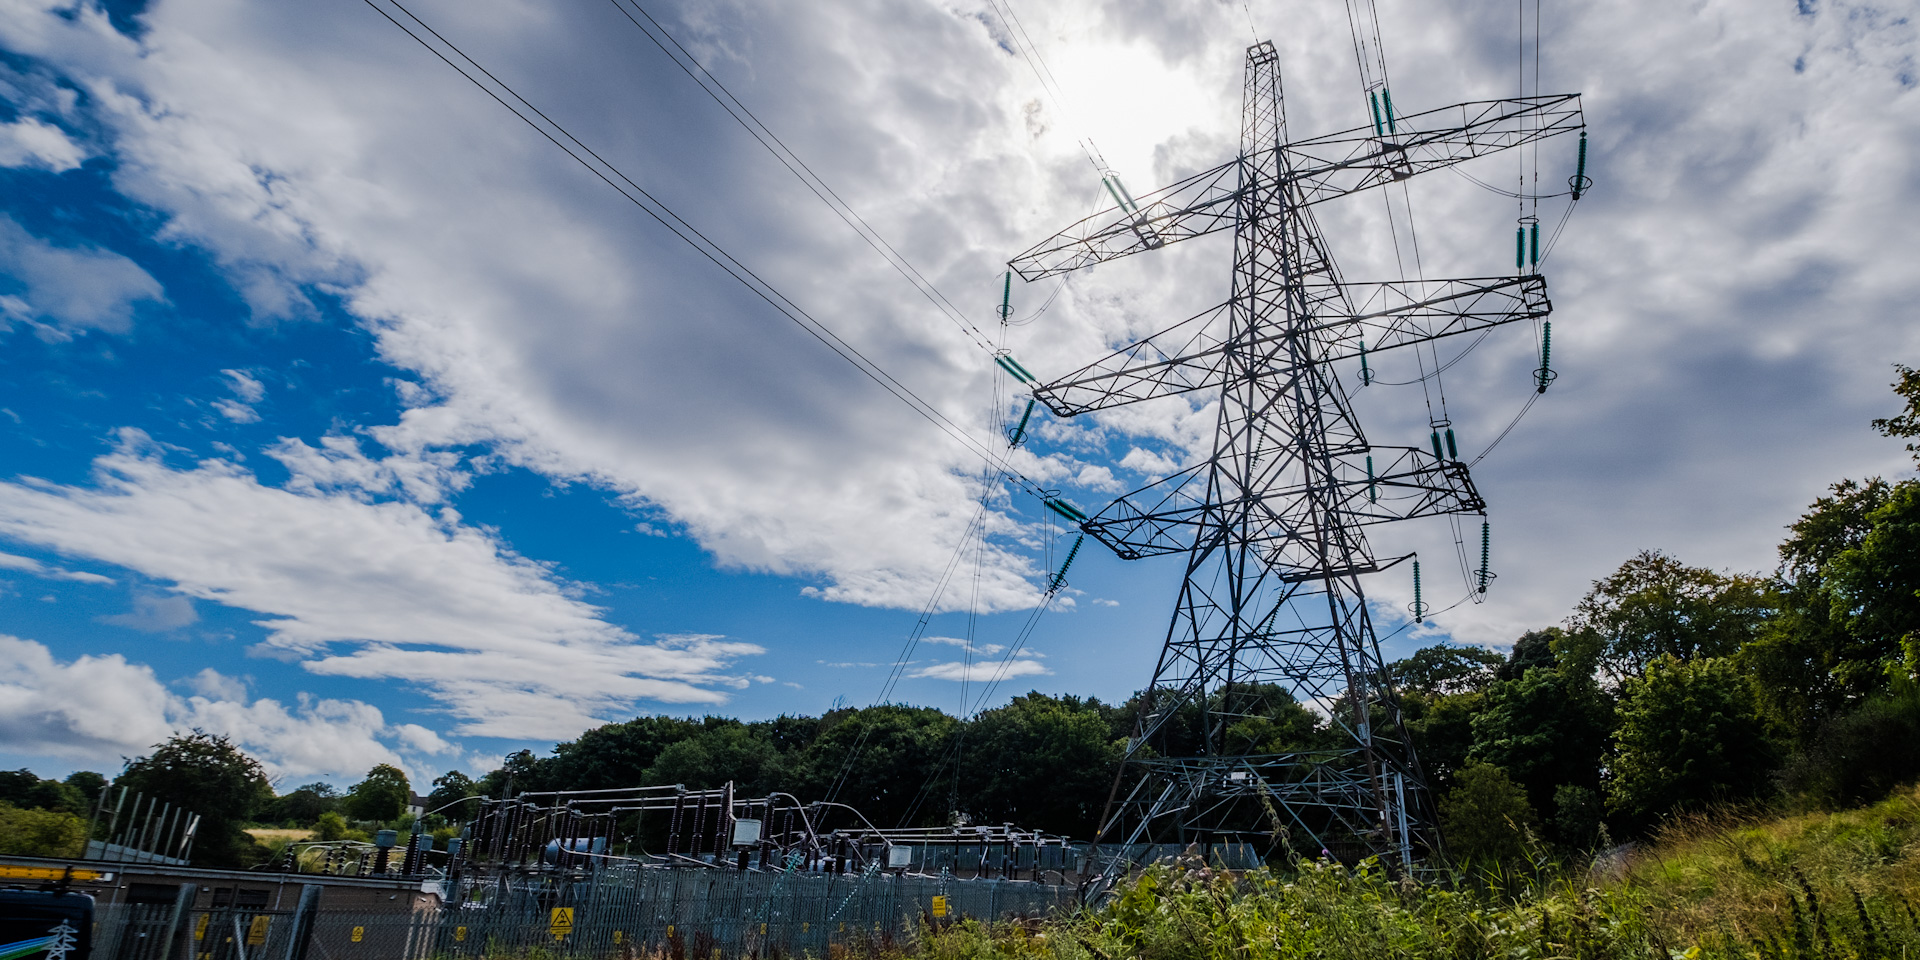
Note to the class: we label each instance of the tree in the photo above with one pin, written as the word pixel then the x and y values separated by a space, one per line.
pixel 303 805
pixel 614 755
pixel 897 763
pixel 381 797
pixel 330 826
pixel 1546 730
pixel 448 790
pixel 1906 385
pixel 40 833
pixel 1690 735
pixel 1446 669
pixel 89 783
pixel 207 774
pixel 1043 762
pixel 1656 606
pixel 23 789
pixel 711 757
pixel 1485 818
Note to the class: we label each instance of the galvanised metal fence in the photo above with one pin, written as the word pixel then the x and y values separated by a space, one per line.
pixel 617 913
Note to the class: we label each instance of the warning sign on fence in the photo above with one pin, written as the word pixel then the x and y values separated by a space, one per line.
pixel 257 931
pixel 359 933
pixel 561 922
pixel 459 934
pixel 939 906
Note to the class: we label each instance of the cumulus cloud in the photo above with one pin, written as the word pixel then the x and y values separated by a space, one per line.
pixel 372 590
pixel 10 561
pixel 69 290
pixel 29 142
pixel 103 708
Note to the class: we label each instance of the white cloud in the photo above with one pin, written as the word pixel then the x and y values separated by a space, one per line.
pixel 74 288
pixel 371 590
pixel 103 708
pixel 10 561
pixel 985 650
pixel 245 386
pixel 28 142
pixel 155 613
pixel 981 670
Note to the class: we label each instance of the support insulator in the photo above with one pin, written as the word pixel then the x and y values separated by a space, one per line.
pixel 1520 247
pixel 1545 375
pixel 1060 579
pixel 1386 103
pixel 1419 608
pixel 1579 183
pixel 1020 432
pixel 1366 375
pixel 1373 495
pixel 1006 298
pixel 1533 244
pixel 1453 450
pixel 1435 437
pixel 1072 513
pixel 1379 125
pixel 1012 366
pixel 1486 543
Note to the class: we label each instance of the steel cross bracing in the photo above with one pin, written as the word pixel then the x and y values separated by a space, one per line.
pixel 1273 521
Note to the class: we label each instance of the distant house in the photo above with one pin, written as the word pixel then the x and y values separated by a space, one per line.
pixel 416 805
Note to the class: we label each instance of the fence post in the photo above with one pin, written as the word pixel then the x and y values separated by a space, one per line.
pixel 182 905
pixel 300 933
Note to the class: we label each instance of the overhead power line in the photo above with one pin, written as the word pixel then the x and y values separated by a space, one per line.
pixel 504 94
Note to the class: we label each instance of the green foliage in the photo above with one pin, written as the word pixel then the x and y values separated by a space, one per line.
pixel 1445 669
pixel 1860 755
pixel 1040 761
pixel 22 788
pixel 1441 728
pixel 723 751
pixel 40 833
pixel 900 770
pixel 89 783
pixel 330 826
pixel 207 774
pixel 381 797
pixel 448 790
pixel 1485 818
pixel 1655 606
pixel 1906 385
pixel 302 805
pixel 1690 735
pixel 1546 729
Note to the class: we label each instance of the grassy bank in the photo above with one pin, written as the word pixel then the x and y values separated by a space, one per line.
pixel 1828 885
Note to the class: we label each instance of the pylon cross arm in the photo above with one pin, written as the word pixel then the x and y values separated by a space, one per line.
pixel 1367 317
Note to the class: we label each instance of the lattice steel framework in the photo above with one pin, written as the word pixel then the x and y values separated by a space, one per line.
pixel 1273 522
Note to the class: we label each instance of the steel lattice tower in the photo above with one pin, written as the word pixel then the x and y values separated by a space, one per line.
pixel 1273 522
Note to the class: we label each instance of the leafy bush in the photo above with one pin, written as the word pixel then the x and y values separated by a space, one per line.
pixel 40 833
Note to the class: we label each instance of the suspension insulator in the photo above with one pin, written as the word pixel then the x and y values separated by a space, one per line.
pixel 1533 244
pixel 1580 184
pixel 1366 375
pixel 1012 366
pixel 1006 298
pixel 1020 432
pixel 1453 451
pixel 1060 578
pixel 1436 445
pixel 1545 375
pixel 1419 609
pixel 1373 495
pixel 1386 103
pixel 1072 513
pixel 1486 543
pixel 1520 247
pixel 1379 127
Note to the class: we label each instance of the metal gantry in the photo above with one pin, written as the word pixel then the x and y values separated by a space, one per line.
pixel 1273 521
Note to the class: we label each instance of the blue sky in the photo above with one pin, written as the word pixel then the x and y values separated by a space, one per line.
pixel 342 414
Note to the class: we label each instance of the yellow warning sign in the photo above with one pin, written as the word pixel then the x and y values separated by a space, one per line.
pixel 619 936
pixel 200 929
pixel 459 934
pixel 939 906
pixel 560 923
pixel 359 933
pixel 257 930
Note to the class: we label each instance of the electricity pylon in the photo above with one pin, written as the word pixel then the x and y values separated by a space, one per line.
pixel 1273 522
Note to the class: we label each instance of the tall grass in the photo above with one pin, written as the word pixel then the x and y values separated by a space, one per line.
pixel 1836 886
